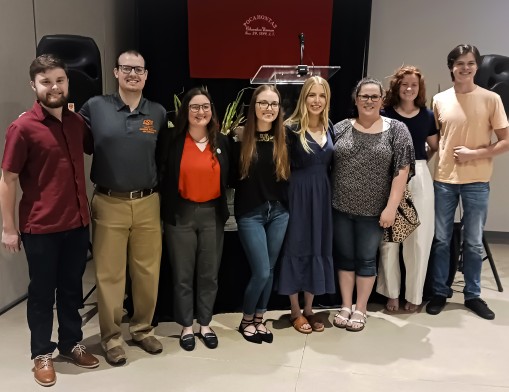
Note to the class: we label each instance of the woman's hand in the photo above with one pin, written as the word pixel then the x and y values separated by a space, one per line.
pixel 387 217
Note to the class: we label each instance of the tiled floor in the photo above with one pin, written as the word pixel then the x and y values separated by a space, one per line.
pixel 454 351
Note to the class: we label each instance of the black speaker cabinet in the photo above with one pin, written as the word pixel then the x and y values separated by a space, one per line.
pixel 493 74
pixel 83 60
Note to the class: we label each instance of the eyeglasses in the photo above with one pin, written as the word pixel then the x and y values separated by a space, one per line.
pixel 196 108
pixel 264 105
pixel 128 68
pixel 365 98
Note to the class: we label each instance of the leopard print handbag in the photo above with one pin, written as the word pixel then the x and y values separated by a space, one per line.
pixel 407 220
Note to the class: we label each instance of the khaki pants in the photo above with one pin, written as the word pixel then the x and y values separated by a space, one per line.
pixel 126 232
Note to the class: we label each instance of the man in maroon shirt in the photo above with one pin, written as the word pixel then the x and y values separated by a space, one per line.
pixel 44 151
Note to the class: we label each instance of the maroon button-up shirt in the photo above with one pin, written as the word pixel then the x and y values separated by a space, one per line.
pixel 48 157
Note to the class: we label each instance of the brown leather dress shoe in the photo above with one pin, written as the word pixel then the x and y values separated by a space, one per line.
pixel 44 373
pixel 150 344
pixel 79 356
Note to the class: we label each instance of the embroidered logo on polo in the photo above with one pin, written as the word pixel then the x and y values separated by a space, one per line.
pixel 148 126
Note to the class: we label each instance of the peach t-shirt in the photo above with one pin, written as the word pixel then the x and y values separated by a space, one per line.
pixel 466 120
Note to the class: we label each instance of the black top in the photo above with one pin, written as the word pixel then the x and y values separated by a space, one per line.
pixel 261 184
pixel 124 142
pixel 420 126
pixel 170 147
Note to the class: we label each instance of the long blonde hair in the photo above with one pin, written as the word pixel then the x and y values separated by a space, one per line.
pixel 301 116
pixel 248 149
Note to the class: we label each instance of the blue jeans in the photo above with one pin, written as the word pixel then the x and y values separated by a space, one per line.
pixel 261 233
pixel 474 198
pixel 355 242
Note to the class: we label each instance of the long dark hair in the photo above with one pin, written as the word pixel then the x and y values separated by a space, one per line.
pixel 248 149
pixel 182 122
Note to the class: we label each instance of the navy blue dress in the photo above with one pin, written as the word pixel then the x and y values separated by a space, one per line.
pixel 306 262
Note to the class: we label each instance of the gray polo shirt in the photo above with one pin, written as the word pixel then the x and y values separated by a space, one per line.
pixel 124 142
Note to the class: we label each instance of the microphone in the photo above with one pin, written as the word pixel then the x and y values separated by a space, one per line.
pixel 301 68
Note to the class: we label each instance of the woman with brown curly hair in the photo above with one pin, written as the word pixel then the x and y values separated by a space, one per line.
pixel 261 203
pixel 406 101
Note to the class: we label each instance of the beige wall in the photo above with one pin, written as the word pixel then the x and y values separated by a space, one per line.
pixel 111 23
pixel 422 33
pixel 16 20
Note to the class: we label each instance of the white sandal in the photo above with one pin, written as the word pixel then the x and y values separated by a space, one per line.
pixel 362 320
pixel 341 321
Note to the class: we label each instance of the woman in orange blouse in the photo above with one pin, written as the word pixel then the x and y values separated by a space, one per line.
pixel 194 165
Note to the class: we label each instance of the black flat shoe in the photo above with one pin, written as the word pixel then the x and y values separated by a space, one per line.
pixel 479 307
pixel 436 305
pixel 252 337
pixel 266 335
pixel 209 339
pixel 187 342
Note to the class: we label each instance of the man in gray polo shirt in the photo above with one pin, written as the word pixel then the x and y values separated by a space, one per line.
pixel 125 208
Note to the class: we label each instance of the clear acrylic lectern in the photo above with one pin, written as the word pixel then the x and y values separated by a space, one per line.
pixel 291 74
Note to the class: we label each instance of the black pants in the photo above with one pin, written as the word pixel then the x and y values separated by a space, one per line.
pixel 56 263
pixel 195 246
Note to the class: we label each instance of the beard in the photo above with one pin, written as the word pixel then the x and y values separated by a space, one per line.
pixel 51 102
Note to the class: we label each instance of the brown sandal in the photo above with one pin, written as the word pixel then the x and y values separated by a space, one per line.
pixel 316 324
pixel 299 322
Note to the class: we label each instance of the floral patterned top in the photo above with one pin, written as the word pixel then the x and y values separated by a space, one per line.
pixel 365 164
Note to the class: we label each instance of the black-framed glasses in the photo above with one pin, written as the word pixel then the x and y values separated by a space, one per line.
pixel 264 105
pixel 366 98
pixel 195 108
pixel 128 68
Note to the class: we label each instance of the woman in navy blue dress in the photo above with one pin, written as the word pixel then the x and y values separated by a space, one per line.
pixel 306 264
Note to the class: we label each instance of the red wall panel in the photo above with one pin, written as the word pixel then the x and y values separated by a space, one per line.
pixel 233 38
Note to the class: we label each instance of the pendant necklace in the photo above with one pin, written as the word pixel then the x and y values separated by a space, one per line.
pixel 198 141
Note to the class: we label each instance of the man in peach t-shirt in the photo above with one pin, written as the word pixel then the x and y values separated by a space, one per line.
pixel 467 115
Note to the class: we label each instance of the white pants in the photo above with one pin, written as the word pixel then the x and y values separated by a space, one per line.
pixel 416 248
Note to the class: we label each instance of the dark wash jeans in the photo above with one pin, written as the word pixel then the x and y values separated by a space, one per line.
pixel 355 242
pixel 261 232
pixel 56 263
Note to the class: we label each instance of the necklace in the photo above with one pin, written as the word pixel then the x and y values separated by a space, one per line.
pixel 265 137
pixel 199 141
